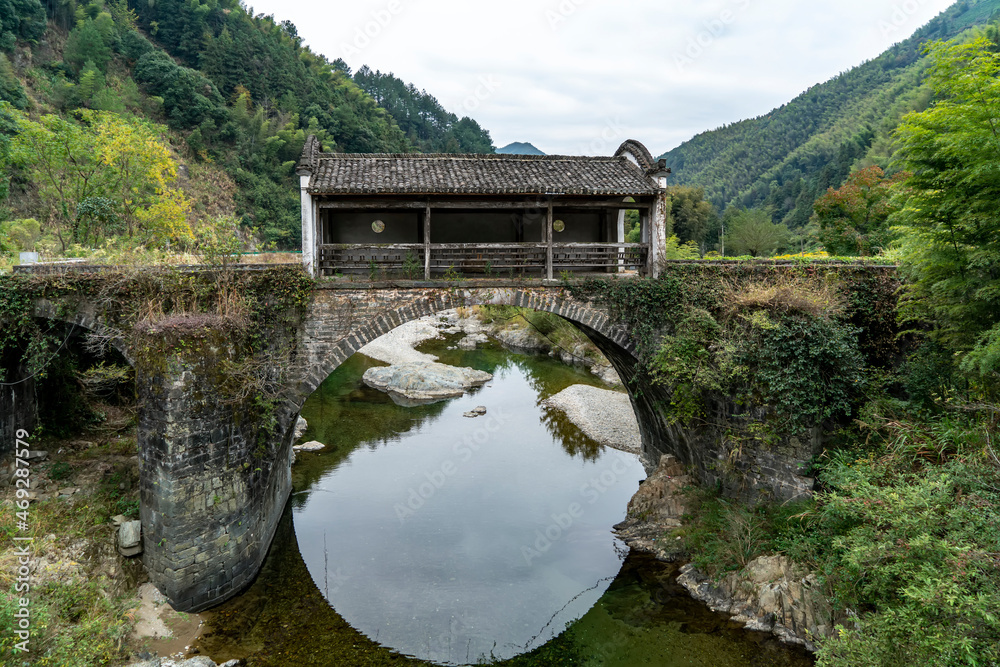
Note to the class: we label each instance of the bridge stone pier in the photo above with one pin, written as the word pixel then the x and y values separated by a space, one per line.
pixel 214 479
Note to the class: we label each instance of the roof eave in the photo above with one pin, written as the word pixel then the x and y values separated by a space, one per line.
pixel 371 193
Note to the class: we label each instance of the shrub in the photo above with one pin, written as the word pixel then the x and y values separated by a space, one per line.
pixel 915 553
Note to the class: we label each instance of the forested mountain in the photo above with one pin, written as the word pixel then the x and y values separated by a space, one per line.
pixel 519 148
pixel 789 157
pixel 426 124
pixel 236 92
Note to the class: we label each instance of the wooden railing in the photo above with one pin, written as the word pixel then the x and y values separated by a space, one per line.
pixel 409 258
pixel 631 256
pixel 340 257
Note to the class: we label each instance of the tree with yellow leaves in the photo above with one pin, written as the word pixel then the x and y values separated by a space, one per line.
pixel 105 175
pixel 140 172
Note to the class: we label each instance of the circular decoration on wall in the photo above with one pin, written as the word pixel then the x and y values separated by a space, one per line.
pixel 378 226
pixel 559 225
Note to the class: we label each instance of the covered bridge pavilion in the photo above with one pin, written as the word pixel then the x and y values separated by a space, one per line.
pixel 433 213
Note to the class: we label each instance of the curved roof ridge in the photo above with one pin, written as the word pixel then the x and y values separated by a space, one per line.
pixel 639 152
pixel 311 151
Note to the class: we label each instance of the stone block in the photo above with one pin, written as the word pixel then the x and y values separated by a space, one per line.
pixel 129 538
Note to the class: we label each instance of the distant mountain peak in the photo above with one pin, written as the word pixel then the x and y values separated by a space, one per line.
pixel 519 148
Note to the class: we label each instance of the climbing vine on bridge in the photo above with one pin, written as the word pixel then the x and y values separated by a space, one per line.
pixel 154 314
pixel 797 341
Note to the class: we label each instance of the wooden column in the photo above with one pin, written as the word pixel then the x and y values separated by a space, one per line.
pixel 620 237
pixel 427 242
pixel 317 256
pixel 548 239
pixel 647 238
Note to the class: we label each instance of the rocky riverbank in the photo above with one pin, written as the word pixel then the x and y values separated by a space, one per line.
pixel 770 594
pixel 197 661
pixel 516 334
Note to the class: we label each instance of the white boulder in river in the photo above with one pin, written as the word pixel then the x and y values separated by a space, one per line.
pixel 418 383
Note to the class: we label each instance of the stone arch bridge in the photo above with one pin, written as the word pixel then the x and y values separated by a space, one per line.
pixel 211 497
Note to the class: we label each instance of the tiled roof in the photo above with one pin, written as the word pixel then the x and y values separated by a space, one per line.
pixel 369 174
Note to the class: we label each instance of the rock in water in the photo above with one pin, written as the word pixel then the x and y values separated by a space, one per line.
pixel 605 416
pixel 472 341
pixel 475 412
pixel 421 383
pixel 518 339
pixel 312 446
pixel 300 427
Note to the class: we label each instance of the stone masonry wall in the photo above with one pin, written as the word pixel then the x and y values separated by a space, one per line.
pixel 211 495
pixel 774 472
pixel 18 410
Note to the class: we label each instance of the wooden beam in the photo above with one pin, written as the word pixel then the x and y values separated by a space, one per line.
pixel 548 250
pixel 427 242
pixel 475 246
pixel 392 204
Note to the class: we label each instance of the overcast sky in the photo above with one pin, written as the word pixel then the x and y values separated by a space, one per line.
pixel 581 76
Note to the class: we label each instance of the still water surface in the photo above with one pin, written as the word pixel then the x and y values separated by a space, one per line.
pixel 423 533
pixel 465 539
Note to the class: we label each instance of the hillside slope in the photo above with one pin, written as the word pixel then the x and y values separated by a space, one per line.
pixel 426 124
pixel 236 91
pixel 788 157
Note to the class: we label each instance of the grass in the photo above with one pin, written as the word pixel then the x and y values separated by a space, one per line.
pixel 787 293
pixel 724 536
pixel 82 594
pixel 78 617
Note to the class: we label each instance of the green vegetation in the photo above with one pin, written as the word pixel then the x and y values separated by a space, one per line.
pixel 229 95
pixel 103 177
pixel 692 218
pixel 762 335
pixel 854 219
pixel 753 232
pixel 903 530
pixel 427 126
pixel 948 225
pixel 903 533
pixel 159 315
pixel 82 608
pixel 904 527
pixel 789 157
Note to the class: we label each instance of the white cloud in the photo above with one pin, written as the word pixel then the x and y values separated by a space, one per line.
pixel 660 70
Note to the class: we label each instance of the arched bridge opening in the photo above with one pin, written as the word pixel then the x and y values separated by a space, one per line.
pixel 215 471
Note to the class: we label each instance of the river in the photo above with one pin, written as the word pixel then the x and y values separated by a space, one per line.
pixel 424 536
